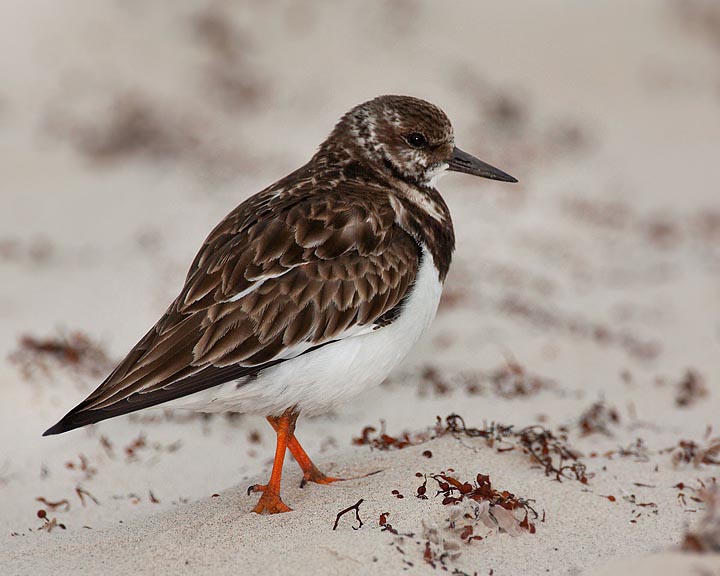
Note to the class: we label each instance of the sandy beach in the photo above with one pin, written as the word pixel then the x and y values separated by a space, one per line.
pixel 561 414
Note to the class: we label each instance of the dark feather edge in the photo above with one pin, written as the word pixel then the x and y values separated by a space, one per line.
pixel 206 378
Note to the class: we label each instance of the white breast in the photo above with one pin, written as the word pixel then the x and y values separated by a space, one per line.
pixel 318 380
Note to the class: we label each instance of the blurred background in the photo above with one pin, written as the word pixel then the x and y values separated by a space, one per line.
pixel 128 129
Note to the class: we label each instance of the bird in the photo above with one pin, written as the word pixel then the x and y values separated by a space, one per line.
pixel 310 291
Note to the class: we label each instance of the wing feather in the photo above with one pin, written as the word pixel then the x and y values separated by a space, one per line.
pixel 282 275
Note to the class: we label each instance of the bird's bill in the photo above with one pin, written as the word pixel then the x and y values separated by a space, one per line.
pixel 467 163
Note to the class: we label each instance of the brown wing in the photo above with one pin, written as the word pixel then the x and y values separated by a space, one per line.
pixel 282 275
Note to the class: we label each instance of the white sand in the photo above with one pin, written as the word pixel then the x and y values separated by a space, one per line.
pixel 608 249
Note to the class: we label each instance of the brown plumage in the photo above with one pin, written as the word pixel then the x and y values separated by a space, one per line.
pixel 328 253
pixel 324 257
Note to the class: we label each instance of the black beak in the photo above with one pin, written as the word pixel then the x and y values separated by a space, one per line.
pixel 463 162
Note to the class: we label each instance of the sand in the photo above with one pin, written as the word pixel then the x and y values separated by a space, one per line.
pixel 584 300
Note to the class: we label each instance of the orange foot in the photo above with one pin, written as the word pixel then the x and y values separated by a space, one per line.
pixel 270 502
pixel 312 474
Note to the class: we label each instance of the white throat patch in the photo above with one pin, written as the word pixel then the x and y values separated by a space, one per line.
pixel 436 173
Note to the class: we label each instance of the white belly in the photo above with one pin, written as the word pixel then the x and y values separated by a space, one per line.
pixel 318 380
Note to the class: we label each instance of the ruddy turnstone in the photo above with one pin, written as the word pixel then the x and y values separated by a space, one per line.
pixel 309 291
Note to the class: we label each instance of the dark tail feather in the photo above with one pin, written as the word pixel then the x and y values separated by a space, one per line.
pixel 78 417
pixel 207 378
pixel 211 376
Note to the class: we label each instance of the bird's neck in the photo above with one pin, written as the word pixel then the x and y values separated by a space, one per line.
pixel 422 213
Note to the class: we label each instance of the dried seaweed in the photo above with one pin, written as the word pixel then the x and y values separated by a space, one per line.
pixel 552 453
pixel 455 424
pixel 64 503
pixel 139 445
pixel 598 419
pixel 705 536
pixel 455 491
pixel 83 466
pixel 49 524
pixel 82 494
pixel 510 380
pixel 695 453
pixel 355 507
pixel 133 447
pixel 475 510
pixel 385 526
pixel 544 447
pixel 75 353
pixel 690 389
pixel 637 450
pixel 430 377
pixel 380 440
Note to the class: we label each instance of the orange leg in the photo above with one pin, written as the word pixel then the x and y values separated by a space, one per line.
pixel 270 501
pixel 310 471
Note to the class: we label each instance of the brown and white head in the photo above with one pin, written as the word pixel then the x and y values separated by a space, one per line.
pixel 409 138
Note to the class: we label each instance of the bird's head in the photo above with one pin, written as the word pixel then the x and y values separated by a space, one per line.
pixel 410 138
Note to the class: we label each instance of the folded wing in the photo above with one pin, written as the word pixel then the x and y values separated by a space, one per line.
pixel 282 275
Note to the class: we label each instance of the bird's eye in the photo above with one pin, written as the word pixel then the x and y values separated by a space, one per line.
pixel 416 140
